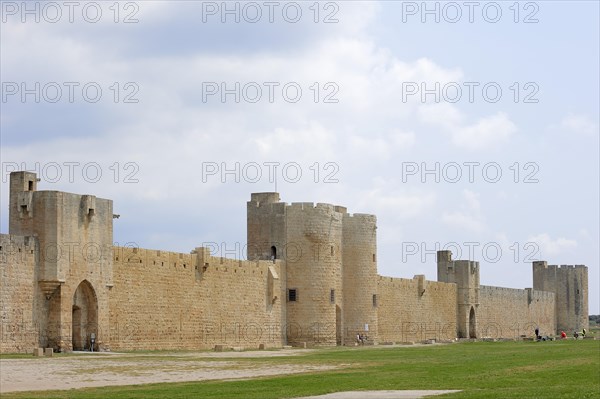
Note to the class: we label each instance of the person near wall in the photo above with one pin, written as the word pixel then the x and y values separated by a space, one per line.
pixel 563 335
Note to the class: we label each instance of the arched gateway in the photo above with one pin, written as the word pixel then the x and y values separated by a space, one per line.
pixel 85 316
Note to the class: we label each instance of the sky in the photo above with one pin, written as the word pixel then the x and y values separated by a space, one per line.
pixel 469 126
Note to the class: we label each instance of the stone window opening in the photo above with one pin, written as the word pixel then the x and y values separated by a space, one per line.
pixel 292 295
pixel 332 296
pixel 30 185
pixel 374 300
pixel 273 253
pixel 332 250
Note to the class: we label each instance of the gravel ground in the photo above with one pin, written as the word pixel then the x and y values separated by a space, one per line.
pixel 97 370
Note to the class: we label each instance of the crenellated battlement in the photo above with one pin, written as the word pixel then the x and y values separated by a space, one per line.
pixel 264 198
pixel 360 218
pixel 18 249
pixel 273 201
pixel 11 242
pixel 568 267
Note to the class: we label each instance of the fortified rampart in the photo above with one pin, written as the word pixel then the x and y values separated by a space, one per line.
pixel 311 278
pixel 509 312
pixel 169 300
pixel 412 310
pixel 19 331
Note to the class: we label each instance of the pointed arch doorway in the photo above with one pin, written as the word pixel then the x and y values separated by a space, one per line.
pixel 472 324
pixel 84 316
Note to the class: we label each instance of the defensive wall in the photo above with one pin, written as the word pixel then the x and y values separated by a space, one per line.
pixel 311 278
pixel 169 300
pixel 413 310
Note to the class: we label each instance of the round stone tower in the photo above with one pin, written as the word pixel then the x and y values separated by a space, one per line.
pixel 329 268
pixel 314 273
pixel 359 259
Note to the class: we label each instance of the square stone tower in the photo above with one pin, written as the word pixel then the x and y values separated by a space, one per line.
pixel 74 268
pixel 465 274
pixel 570 286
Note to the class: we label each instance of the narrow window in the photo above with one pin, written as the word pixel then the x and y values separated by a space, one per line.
pixel 332 296
pixel 332 250
pixel 373 257
pixel 273 253
pixel 292 295
pixel 30 185
pixel 374 300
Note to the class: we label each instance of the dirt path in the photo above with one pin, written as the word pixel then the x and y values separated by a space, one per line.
pixel 127 369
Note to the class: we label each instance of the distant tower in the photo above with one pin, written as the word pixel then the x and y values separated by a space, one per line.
pixel 465 274
pixel 266 233
pixel 22 187
pixel 569 285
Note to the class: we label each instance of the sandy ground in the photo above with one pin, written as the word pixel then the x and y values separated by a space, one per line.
pixel 104 369
pixel 96 370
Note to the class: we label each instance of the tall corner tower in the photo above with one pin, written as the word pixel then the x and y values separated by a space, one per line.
pixel 570 287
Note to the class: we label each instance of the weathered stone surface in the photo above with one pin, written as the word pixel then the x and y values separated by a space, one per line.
pixel 311 280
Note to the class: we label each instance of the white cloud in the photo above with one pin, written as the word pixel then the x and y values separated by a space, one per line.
pixel 486 133
pixel 579 125
pixel 402 139
pixel 552 247
pixel 469 217
pixel 400 204
pixel 444 115
pixel 380 148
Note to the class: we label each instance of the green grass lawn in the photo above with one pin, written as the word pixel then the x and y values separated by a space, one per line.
pixel 560 369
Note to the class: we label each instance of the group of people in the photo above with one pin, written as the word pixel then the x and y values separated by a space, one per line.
pixel 576 334
pixel 563 335
pixel 360 339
